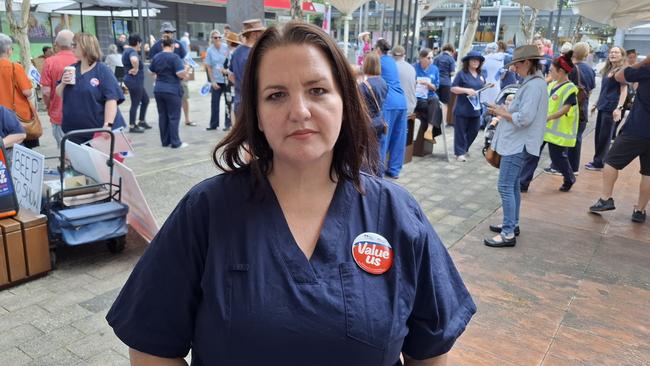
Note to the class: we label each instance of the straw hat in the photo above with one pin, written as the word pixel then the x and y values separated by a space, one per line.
pixel 527 52
pixel 362 34
pixel 252 25
pixel 232 37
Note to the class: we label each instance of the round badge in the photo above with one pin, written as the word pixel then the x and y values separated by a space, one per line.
pixel 372 253
pixel 94 81
pixel 176 45
pixel 205 89
pixel 554 97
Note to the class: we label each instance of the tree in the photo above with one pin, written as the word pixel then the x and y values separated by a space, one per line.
pixel 296 9
pixel 470 31
pixel 19 31
pixel 528 23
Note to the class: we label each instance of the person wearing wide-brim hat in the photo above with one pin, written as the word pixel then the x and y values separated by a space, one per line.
pixel 365 47
pixel 251 32
pixel 467 110
pixel 518 135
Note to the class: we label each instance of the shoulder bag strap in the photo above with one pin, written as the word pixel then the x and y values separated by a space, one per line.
pixel 372 94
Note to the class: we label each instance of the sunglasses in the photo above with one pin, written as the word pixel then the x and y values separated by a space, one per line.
pixel 74 45
pixel 216 37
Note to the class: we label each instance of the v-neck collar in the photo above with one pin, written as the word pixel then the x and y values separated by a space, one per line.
pixel 303 270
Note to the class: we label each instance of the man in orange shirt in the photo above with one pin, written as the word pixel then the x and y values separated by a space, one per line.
pixel 52 73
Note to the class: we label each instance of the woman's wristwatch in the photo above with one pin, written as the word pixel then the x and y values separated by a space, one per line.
pixel 620 107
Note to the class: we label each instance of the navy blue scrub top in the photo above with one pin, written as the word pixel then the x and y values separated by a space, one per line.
pixel 165 65
pixel 83 102
pixel 464 79
pixel 158 48
pixel 447 65
pixel 238 66
pixel 138 78
pixel 610 91
pixel 225 278
pixel 637 123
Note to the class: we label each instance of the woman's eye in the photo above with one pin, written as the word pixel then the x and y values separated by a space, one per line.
pixel 275 96
pixel 318 91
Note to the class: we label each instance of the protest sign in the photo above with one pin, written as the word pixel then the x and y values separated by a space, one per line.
pixel 27 173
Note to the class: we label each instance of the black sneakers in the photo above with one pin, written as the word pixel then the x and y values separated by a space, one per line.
pixel 638 216
pixel 136 129
pixel 603 205
pixel 145 125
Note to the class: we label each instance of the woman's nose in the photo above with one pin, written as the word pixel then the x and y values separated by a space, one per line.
pixel 299 109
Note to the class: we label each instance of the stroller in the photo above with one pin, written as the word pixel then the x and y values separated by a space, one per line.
pixel 489 128
pixel 90 212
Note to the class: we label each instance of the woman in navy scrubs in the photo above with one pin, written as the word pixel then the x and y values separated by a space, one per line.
pixel 295 257
pixel 134 80
pixel 467 115
pixel 169 70
pixel 611 102
pixel 90 94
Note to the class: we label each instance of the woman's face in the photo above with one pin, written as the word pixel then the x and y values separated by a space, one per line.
pixel 426 60
pixel 474 64
pixel 300 108
pixel 216 41
pixel 540 46
pixel 77 50
pixel 555 73
pixel 522 68
pixel 615 55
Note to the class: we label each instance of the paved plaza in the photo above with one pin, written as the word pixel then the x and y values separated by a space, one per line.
pixel 574 291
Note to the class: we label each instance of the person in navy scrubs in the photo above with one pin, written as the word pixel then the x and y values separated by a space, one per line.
pixel 295 257
pixel 134 80
pixel 394 142
pixel 169 70
pixel 610 105
pixel 90 94
pixel 467 114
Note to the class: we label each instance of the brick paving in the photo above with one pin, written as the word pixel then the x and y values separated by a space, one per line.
pixel 59 319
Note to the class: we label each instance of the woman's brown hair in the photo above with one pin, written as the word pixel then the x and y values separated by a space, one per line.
pixel 609 66
pixel 371 64
pixel 89 46
pixel 246 146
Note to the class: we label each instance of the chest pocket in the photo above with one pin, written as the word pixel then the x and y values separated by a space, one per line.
pixel 371 304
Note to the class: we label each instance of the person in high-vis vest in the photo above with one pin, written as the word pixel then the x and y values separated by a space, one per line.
pixel 562 122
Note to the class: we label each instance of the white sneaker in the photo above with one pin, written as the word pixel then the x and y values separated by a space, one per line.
pixel 461 158
pixel 182 146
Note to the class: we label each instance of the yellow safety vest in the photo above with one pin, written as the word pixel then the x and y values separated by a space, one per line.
pixel 564 130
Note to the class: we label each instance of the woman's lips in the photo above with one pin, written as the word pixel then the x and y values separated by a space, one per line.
pixel 302 134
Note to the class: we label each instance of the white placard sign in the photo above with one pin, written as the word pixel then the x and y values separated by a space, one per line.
pixel 27 172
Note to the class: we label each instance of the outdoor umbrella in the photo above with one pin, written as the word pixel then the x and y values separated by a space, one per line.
pixel 346 7
pixel 618 13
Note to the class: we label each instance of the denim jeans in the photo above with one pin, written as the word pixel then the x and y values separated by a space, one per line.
pixel 508 186
pixel 560 160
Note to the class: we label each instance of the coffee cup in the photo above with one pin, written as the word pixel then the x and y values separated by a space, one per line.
pixel 71 71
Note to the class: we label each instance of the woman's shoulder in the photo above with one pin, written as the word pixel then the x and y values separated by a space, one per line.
pixel 402 205
pixel 224 187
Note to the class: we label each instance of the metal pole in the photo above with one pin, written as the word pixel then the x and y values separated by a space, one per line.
pixel 557 25
pixel 140 26
pixel 359 25
pixel 392 36
pixel 365 16
pixel 549 31
pixel 381 21
pixel 416 29
pixel 408 24
pixel 81 17
pixel 401 20
pixel 148 29
pixel 496 32
pixel 462 25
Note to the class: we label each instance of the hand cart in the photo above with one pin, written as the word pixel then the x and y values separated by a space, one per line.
pixel 99 216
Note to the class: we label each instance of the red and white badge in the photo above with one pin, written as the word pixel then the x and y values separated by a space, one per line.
pixel 372 253
pixel 94 82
